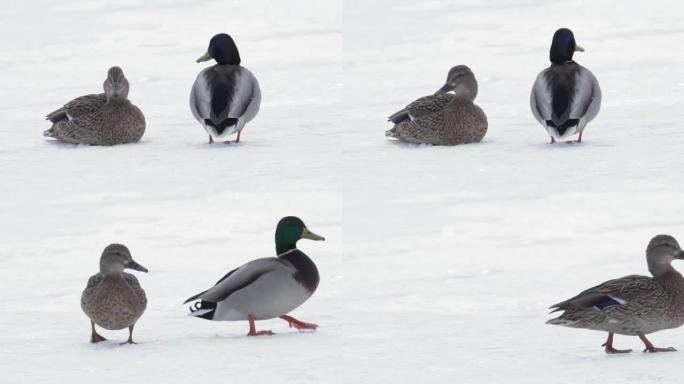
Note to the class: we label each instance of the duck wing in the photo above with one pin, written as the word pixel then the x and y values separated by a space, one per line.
pixel 587 101
pixel 424 130
pixel 421 107
pixel 78 107
pixel 632 291
pixel 93 282
pixel 132 282
pixel 81 130
pixel 239 278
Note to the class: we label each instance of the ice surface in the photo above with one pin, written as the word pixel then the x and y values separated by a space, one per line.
pixel 439 262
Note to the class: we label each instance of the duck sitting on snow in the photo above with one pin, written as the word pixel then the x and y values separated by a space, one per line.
pixel 448 117
pixel 265 288
pixel 632 305
pixel 114 299
pixel 565 96
pixel 225 96
pixel 107 118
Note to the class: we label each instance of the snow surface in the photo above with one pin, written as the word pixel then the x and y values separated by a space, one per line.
pixel 439 262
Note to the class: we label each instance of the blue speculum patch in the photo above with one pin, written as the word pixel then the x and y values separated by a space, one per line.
pixel 606 303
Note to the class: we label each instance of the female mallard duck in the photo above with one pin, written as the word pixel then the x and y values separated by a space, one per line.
pixel 443 118
pixel 114 299
pixel 104 119
pixel 226 95
pixel 265 288
pixel 565 96
pixel 632 305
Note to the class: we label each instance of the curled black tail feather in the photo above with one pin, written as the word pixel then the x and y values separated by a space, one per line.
pixel 564 126
pixel 221 126
pixel 204 305
pixel 196 307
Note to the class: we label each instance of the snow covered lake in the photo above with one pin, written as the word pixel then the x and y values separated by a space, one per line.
pixel 440 263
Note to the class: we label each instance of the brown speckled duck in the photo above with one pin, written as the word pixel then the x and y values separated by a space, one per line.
pixel 107 118
pixel 448 117
pixel 632 305
pixel 114 299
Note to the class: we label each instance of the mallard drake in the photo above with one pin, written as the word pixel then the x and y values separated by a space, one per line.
pixel 265 288
pixel 443 118
pixel 107 118
pixel 114 299
pixel 225 96
pixel 632 305
pixel 565 96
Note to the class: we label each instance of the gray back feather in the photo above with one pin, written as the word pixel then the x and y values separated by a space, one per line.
pixel 583 101
pixel 232 88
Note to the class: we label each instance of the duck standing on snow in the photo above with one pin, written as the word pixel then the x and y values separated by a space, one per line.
pixel 107 118
pixel 448 117
pixel 225 96
pixel 265 288
pixel 114 299
pixel 632 305
pixel 565 96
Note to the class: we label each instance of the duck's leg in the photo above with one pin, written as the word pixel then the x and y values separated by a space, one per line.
pixel 94 336
pixel 298 323
pixel 553 141
pixel 609 345
pixel 211 140
pixel 252 328
pixel 130 336
pixel 578 141
pixel 236 140
pixel 651 348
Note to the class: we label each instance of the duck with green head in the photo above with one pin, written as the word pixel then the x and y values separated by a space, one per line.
pixel 226 95
pixel 265 288
pixel 565 96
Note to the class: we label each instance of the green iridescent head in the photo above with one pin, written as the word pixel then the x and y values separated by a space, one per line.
pixel 291 229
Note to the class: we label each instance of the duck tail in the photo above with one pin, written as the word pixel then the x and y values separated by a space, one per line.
pixel 52 132
pixel 561 127
pixel 220 126
pixel 398 117
pixel 562 322
pixel 57 115
pixel 203 309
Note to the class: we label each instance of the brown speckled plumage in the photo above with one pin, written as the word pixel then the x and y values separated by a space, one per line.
pixel 428 104
pixel 632 305
pixel 443 118
pixel 454 121
pixel 104 119
pixel 114 302
pixel 112 298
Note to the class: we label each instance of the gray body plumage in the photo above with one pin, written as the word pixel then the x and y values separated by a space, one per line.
pixel 223 92
pixel 99 119
pixel 448 117
pixel 113 302
pixel 565 97
pixel 634 304
pixel 263 288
